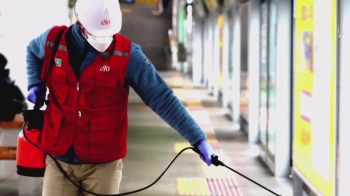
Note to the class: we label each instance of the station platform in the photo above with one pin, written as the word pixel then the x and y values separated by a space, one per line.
pixel 152 144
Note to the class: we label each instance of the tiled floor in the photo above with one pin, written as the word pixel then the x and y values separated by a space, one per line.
pixel 152 144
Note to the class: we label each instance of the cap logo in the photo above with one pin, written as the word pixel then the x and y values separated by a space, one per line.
pixel 105 22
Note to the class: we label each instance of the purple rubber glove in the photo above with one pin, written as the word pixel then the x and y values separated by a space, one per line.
pixel 207 151
pixel 36 94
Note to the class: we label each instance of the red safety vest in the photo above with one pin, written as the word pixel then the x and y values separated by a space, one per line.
pixel 89 113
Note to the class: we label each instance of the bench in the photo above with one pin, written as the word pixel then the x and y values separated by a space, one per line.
pixel 9 152
pixel 16 123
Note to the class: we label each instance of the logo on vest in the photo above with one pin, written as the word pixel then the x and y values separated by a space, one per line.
pixel 105 68
pixel 58 62
pixel 105 22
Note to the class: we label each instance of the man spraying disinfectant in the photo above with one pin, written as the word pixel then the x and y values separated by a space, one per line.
pixel 86 120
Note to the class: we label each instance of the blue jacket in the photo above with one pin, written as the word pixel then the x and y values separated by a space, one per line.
pixel 141 76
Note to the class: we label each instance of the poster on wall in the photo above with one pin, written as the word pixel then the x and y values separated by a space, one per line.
pixel 315 93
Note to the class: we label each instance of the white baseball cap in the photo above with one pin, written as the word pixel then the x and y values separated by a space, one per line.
pixel 99 17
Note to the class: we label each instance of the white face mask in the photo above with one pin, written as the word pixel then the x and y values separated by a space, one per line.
pixel 99 43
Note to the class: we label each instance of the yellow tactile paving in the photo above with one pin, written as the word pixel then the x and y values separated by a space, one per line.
pixel 178 90
pixel 181 145
pixel 200 186
pixel 193 102
pixel 194 106
pixel 192 186
pixel 210 132
pixel 211 139
pixel 197 101
pixel 126 10
pixel 145 1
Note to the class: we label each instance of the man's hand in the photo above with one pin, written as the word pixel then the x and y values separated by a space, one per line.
pixel 36 94
pixel 207 152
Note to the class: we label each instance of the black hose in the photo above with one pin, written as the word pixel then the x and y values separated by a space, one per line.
pixel 127 193
pixel 215 161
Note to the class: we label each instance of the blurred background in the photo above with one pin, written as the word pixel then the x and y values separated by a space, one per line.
pixel 265 79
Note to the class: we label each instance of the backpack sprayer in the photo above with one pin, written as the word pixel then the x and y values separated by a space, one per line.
pixel 31 159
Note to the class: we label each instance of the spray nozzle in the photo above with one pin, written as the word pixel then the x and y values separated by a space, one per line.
pixel 214 159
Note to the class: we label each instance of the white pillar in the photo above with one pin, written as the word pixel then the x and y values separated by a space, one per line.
pixel 343 171
pixel 283 65
pixel 253 69
pixel 236 85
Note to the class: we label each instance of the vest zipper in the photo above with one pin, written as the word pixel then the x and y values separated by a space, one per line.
pixel 79 112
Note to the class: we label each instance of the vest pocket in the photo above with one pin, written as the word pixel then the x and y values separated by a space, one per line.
pixel 105 91
pixel 104 133
pixel 52 128
pixel 60 88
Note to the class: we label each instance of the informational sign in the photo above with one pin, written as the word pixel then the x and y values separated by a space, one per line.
pixel 315 93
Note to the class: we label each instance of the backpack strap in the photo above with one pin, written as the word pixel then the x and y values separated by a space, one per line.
pixel 51 46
